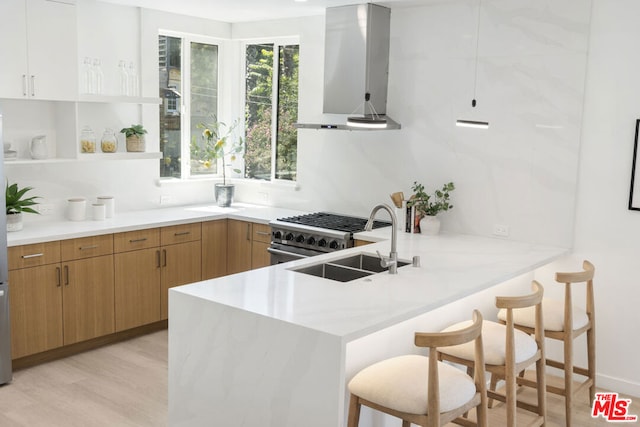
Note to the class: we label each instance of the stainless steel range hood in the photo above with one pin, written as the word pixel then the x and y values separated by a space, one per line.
pixel 356 67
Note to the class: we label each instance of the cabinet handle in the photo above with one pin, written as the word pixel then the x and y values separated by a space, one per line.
pixel 58 277
pixel 33 85
pixel 84 248
pixel 164 256
pixel 138 240
pixel 31 256
pixel 158 258
pixel 263 233
pixel 24 85
pixel 66 275
pixel 182 233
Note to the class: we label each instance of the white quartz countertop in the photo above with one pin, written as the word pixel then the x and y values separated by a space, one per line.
pixel 45 231
pixel 452 267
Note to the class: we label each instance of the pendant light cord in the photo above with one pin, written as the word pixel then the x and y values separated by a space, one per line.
pixel 475 71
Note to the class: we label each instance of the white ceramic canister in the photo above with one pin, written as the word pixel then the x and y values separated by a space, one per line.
pixel 98 211
pixel 38 147
pixel 77 209
pixel 109 205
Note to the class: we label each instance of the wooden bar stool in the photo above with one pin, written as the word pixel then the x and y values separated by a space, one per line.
pixel 421 390
pixel 566 322
pixel 508 351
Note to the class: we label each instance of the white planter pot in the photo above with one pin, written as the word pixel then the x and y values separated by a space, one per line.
pixel 430 225
pixel 14 221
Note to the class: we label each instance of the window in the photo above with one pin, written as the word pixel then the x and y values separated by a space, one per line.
pixel 271 140
pixel 188 64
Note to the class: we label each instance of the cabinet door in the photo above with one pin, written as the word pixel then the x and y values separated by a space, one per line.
pixel 260 257
pixel 35 305
pixel 181 264
pixel 238 246
pixel 214 249
pixel 53 52
pixel 13 49
pixel 137 288
pixel 88 298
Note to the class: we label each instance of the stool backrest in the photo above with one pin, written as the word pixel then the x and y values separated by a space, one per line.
pixel 433 340
pixel 585 276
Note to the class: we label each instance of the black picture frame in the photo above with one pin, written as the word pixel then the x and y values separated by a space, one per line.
pixel 634 165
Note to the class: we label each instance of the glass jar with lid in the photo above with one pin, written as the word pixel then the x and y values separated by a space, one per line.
pixel 109 142
pixel 87 140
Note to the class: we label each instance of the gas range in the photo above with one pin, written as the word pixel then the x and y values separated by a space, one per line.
pixel 315 233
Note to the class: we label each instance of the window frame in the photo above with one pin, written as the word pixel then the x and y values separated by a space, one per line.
pixel 185 101
pixel 277 43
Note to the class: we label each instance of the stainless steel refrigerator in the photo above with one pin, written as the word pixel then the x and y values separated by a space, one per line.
pixel 5 330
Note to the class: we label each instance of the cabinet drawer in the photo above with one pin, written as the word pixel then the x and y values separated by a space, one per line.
pixel 180 233
pixel 261 233
pixel 33 255
pixel 135 240
pixel 86 247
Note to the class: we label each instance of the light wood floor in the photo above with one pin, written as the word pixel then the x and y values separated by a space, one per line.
pixel 125 384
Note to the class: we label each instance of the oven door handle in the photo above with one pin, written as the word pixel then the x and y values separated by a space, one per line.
pixel 291 254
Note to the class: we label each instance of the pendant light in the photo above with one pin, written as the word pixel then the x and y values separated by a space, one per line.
pixel 475 123
pixel 369 121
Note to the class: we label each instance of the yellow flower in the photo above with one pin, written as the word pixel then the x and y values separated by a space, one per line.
pixel 167 161
pixel 233 158
pixel 207 164
pixel 207 133
pixel 219 143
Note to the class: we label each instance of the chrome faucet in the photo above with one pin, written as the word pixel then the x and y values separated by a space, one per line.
pixel 392 260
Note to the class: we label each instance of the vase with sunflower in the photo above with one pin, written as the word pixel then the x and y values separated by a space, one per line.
pixel 219 141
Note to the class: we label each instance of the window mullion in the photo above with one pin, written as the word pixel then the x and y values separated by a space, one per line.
pixel 274 105
pixel 185 118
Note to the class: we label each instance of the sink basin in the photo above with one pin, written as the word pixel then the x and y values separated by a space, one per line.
pixel 346 269
pixel 365 262
pixel 334 272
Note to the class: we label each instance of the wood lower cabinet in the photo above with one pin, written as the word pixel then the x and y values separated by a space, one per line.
pixel 214 249
pixel 87 298
pixel 238 246
pixel 137 288
pixel 36 309
pixel 57 299
pixel 181 264
pixel 260 242
pixel 247 245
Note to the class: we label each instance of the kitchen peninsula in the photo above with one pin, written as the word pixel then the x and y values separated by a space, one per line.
pixel 275 347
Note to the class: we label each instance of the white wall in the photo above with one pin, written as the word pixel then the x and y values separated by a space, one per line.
pixel 606 232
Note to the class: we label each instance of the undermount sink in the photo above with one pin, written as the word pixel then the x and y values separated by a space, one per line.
pixel 348 268
pixel 365 262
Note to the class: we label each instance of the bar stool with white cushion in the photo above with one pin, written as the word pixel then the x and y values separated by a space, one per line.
pixel 557 314
pixel 508 351
pixel 421 390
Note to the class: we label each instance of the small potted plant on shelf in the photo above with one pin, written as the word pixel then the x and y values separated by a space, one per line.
pixel 135 138
pixel 219 141
pixel 429 205
pixel 17 203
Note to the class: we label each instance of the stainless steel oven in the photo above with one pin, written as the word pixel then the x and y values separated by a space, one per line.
pixel 313 234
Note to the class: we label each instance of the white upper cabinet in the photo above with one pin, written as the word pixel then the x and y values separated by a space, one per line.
pixel 39 55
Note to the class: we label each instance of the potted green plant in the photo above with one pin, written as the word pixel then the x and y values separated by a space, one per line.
pixel 429 205
pixel 17 203
pixel 219 141
pixel 135 138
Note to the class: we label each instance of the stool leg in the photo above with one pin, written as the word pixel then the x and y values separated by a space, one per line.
pixel 568 375
pixel 354 411
pixel 591 357
pixel 541 379
pixel 492 386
